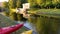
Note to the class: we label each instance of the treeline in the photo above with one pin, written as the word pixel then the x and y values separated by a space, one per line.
pixel 47 4
pixel 14 4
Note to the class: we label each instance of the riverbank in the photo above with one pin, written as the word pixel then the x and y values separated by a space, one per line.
pixel 46 11
pixel 27 26
pixel 4 22
pixel 55 13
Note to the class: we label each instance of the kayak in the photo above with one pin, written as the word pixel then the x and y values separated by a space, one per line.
pixel 10 29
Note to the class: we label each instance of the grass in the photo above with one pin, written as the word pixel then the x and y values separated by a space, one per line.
pixel 5 21
pixel 57 11
pixel 47 12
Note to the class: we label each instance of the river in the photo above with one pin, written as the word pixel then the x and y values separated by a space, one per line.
pixel 29 26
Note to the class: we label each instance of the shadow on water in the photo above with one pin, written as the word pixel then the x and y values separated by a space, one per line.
pixel 46 24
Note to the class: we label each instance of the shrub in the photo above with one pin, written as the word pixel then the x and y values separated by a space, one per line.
pixel 13 16
pixel 19 16
pixel 58 5
pixel 6 11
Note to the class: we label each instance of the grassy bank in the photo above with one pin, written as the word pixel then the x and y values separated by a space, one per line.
pixel 4 21
pixel 46 12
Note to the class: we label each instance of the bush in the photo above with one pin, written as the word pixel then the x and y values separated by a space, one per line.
pixel 49 6
pixel 36 6
pixel 58 5
pixel 13 16
pixel 19 16
pixel 6 11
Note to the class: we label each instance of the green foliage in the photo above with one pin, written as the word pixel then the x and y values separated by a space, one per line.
pixel 47 4
pixel 23 1
pixel 13 16
pixel 16 16
pixel 5 5
pixel 58 5
pixel 6 8
pixel 12 3
pixel 19 3
pixel 41 3
pixel 19 16
pixel 6 13
pixel 32 3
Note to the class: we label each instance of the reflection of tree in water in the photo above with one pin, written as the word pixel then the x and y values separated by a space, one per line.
pixel 45 24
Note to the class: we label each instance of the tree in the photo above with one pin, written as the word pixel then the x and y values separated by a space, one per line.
pixel 13 16
pixel 33 3
pixel 24 1
pixel 18 3
pixel 58 5
pixel 12 3
pixel 5 5
pixel 55 2
pixel 37 3
pixel 6 8
pixel 41 3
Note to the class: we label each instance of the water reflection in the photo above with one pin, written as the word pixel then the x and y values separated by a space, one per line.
pixel 29 26
pixel 46 24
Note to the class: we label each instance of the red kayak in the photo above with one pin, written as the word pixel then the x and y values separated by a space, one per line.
pixel 10 29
